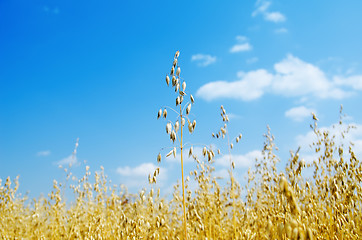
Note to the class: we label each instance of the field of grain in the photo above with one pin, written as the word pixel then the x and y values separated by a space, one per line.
pixel 272 205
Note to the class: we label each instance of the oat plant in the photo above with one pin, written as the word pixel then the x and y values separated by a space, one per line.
pixel 222 133
pixel 175 129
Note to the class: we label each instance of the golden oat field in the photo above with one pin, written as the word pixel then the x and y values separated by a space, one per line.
pixel 272 204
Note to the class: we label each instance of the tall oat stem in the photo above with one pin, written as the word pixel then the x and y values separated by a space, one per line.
pixel 232 183
pixel 222 133
pixel 172 129
pixel 183 182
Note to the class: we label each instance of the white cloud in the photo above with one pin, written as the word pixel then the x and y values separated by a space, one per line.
pixel 242 45
pixel 295 77
pixel 299 113
pixel 70 160
pixel 292 78
pixel 43 153
pixel 262 9
pixel 241 161
pixel 251 86
pixel 353 81
pixel 252 60
pixel 274 17
pixel 281 30
pixel 203 60
pixel 241 38
pixel 139 171
pixel 241 48
pixel 137 177
pixel 222 173
pixel 233 116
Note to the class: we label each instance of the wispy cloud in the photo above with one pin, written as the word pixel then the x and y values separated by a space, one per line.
pixel 252 60
pixel 292 78
pixel 354 82
pixel 274 17
pixel 70 160
pixel 43 153
pixel 262 9
pixel 242 45
pixel 140 171
pixel 137 177
pixel 241 38
pixel 251 86
pixel 233 116
pixel 298 114
pixel 240 160
pixel 203 60
pixel 281 30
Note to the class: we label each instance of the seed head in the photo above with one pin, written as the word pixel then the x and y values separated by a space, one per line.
pixel 159 113
pixel 174 81
pixel 231 145
pixel 172 70
pixel 168 128
pixel 190 127
pixel 194 124
pixel 173 136
pixel 164 113
pixel 174 152
pixel 177 54
pixel 188 109
pixel 169 153
pixel 178 71
pixel 174 62
pixel 177 125
pixel 167 80
pixel 190 151
pixel 209 156
pixel 178 100
pixel 204 151
pixel 192 99
pixel 315 117
pixel 183 86
pixel 283 184
pixel 183 121
pixel 159 157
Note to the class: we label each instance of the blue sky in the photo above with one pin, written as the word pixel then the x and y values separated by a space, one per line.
pixel 96 71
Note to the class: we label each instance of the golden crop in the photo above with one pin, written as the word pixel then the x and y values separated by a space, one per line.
pixel 272 205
